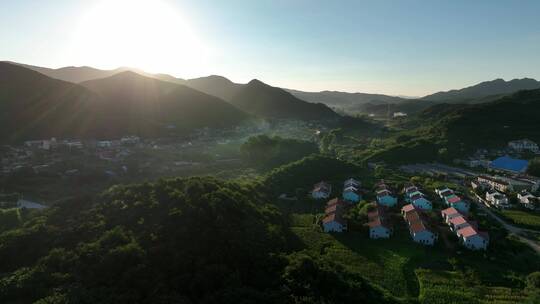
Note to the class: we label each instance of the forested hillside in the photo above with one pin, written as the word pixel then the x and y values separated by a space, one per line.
pixel 196 240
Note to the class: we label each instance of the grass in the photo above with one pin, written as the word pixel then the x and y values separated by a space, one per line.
pixel 527 219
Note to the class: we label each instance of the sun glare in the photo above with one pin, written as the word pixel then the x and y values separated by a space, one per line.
pixel 147 34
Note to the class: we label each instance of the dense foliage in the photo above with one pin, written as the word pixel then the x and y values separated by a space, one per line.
pixel 268 152
pixel 196 240
pixel 534 167
pixel 449 131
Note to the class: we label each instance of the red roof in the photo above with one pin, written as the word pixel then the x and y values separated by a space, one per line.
pixel 417 226
pixel 335 201
pixel 454 199
pixel 408 208
pixel 412 216
pixel 467 231
pixel 449 211
pixel 458 220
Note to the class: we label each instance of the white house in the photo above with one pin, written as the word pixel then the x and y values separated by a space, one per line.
pixel 421 234
pixel 449 213
pixel 497 199
pixel 473 239
pixel 495 183
pixel 457 223
pixel 528 200
pixel 321 190
pixel 351 182
pixel 523 145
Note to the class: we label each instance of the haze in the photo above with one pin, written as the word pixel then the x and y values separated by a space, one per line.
pixel 408 48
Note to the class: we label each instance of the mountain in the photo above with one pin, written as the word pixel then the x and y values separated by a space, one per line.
pixel 218 86
pixel 346 100
pixel 266 101
pixel 484 89
pixel 142 104
pixel 448 131
pixel 34 106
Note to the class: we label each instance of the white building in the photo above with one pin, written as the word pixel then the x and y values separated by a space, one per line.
pixel 497 199
pixel 472 238
pixel 528 200
pixel 524 145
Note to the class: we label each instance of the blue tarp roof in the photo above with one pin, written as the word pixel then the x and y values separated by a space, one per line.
pixel 510 164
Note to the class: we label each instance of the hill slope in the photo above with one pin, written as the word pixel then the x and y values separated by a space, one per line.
pixel 344 99
pixel 215 85
pixel 487 88
pixel 34 106
pixel 266 101
pixel 459 129
pixel 146 105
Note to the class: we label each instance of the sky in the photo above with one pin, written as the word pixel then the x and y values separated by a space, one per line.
pixel 407 48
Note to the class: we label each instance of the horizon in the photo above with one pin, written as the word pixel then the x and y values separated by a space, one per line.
pixel 399 49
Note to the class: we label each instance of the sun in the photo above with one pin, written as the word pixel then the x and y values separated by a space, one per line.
pixel 147 34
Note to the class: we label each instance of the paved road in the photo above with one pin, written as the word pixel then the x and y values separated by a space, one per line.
pixel 516 231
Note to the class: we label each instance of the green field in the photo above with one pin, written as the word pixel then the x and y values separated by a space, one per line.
pixel 528 219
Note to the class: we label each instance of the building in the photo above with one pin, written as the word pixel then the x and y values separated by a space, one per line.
pixel 321 190
pixel 523 145
pixel 333 220
pixel 495 183
pixel 449 213
pixel 419 201
pixel 497 199
pixel 458 222
pixel 351 190
pixel 509 165
pixel 527 200
pixel 421 234
pixel 351 182
pixel 385 197
pixel 418 229
pixel 472 238
pixel 378 226
pixel 457 203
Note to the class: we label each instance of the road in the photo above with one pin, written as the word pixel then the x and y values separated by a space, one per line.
pixel 513 230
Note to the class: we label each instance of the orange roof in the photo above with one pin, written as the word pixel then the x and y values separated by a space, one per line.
pixel 408 208
pixel 458 220
pixel 417 226
pixel 449 211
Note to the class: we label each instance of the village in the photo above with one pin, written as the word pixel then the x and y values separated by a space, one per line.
pixel 441 211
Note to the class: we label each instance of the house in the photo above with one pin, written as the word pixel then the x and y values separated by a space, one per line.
pixel 449 213
pixel 419 201
pixel 458 222
pixel 378 229
pixel 443 192
pixel 523 145
pixel 528 200
pixel 378 226
pixel 475 184
pixel 510 165
pixel 333 220
pixel 473 239
pixel 386 198
pixel 497 199
pixel 421 234
pixel 456 202
pixel 406 209
pixel 352 194
pixel 351 182
pixel 321 190
pixel 495 183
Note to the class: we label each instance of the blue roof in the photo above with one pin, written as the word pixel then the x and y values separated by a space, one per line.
pixel 510 164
